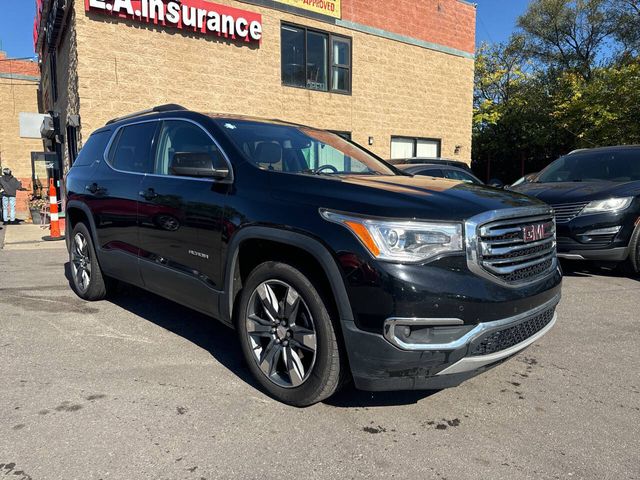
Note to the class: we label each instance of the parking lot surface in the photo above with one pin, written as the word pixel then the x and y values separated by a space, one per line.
pixel 140 388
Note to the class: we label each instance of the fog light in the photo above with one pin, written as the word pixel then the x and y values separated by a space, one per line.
pixel 425 333
pixel 602 231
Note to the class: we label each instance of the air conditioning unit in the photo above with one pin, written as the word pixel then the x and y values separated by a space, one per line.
pixel 47 130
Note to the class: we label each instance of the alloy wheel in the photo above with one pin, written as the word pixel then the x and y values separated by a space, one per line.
pixel 281 333
pixel 81 262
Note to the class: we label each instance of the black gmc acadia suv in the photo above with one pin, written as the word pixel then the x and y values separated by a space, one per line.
pixel 330 263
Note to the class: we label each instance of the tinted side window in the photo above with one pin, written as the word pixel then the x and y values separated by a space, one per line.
pixel 460 175
pixel 177 136
pixel 93 150
pixel 132 150
pixel 432 172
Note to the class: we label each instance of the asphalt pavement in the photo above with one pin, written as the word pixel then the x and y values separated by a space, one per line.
pixel 140 388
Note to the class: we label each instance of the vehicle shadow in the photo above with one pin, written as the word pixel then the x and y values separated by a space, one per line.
pixel 584 268
pixel 214 337
pixel 221 342
pixel 349 397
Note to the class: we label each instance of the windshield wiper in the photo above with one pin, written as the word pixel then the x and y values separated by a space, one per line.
pixel 313 171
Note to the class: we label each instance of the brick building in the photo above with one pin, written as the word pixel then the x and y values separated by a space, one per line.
pixel 19 80
pixel 394 76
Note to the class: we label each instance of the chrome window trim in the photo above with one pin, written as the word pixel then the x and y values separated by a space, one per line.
pixel 391 323
pixel 472 229
pixel 105 156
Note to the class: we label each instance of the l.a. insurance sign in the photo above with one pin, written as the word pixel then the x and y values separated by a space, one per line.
pixel 194 15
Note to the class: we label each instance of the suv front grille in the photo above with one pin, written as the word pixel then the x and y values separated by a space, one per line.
pixel 515 250
pixel 510 336
pixel 565 212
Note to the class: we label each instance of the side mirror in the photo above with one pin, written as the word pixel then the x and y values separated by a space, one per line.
pixel 196 164
pixel 494 182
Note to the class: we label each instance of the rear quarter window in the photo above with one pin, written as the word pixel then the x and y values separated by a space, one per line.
pixel 93 150
pixel 132 150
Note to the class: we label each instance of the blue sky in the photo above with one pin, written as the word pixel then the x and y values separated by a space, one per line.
pixel 496 20
pixel 16 27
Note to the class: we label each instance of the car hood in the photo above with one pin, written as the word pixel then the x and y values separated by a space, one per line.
pixel 574 192
pixel 398 196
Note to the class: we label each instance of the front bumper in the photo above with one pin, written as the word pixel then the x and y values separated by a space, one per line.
pixel 379 365
pixel 602 237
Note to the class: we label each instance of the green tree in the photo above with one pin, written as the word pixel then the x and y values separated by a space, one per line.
pixel 569 78
pixel 513 124
pixel 605 110
pixel 626 14
pixel 567 34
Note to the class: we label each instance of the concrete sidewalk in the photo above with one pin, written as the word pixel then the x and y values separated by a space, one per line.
pixel 28 237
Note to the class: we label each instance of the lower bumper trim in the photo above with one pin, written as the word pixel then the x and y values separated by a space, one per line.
pixel 616 254
pixel 468 364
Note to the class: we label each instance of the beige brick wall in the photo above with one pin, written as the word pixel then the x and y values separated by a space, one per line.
pixel 398 89
pixel 17 96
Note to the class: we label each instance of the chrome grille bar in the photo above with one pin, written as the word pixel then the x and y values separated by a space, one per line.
pixel 565 212
pixel 489 249
pixel 496 246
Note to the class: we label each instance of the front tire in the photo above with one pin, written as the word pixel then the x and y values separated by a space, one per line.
pixel 634 252
pixel 287 337
pixel 86 276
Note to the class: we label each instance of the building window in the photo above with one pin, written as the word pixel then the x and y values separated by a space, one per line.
pixel 315 60
pixel 72 143
pixel 340 64
pixel 53 74
pixel 407 147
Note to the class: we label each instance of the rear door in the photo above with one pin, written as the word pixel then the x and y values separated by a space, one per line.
pixel 113 198
pixel 181 221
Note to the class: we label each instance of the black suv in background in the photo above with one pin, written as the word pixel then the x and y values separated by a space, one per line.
pixel 330 263
pixel 595 194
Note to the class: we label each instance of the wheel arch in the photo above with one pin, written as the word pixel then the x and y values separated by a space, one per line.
pixel 76 212
pixel 286 239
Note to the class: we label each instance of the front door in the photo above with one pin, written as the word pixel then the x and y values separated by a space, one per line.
pixel 180 222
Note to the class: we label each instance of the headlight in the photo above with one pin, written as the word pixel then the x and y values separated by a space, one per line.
pixel 609 205
pixel 401 241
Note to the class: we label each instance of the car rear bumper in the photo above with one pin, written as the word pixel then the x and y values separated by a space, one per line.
pixel 379 365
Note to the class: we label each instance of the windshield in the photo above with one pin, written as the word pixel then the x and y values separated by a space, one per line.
pixel 594 166
pixel 294 149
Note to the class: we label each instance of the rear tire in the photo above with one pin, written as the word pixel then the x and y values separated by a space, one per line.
pixel 87 279
pixel 287 337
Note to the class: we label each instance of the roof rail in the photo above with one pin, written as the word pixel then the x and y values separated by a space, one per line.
pixel 169 107
pixel 577 150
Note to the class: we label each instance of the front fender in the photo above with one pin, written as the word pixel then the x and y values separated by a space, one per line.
pixel 298 240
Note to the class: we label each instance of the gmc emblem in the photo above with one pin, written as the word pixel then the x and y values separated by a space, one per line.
pixel 533 233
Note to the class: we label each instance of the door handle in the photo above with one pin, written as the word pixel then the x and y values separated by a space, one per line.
pixel 94 188
pixel 148 194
